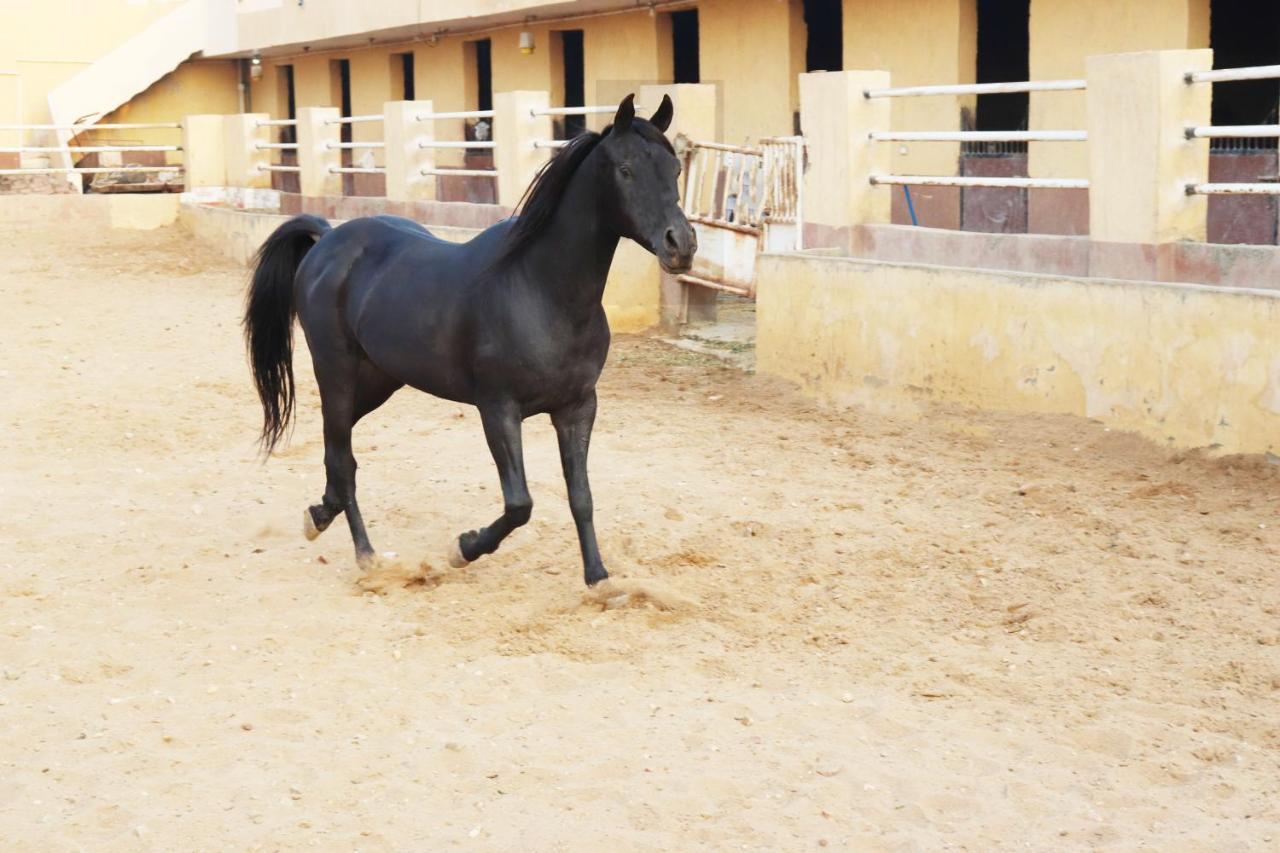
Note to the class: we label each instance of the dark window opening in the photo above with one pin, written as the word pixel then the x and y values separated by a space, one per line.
pixel 684 42
pixel 1004 56
pixel 1243 34
pixel 340 90
pixel 484 75
pixel 824 46
pixel 403 69
pixel 575 92
pixel 288 133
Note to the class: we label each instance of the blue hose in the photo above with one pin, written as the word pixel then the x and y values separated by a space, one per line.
pixel 911 208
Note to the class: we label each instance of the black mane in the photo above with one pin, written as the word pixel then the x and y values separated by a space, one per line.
pixel 542 198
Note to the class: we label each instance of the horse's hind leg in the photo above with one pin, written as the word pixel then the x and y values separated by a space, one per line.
pixel 348 392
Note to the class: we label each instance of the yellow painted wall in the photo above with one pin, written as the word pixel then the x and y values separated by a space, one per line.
pixel 193 88
pixel 938 45
pixel 748 50
pixel 1191 366
pixel 1064 33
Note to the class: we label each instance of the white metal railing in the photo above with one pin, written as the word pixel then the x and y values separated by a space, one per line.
pixel 456 114
pixel 981 136
pixel 89 170
pixel 86 149
pixel 578 111
pixel 283 124
pixel 1237 131
pixel 1228 75
pixel 357 170
pixel 963 136
pixel 1234 189
pixel 981 181
pixel 979 88
pixel 352 146
pixel 84 128
pixel 450 144
pixel 77 131
pixel 354 119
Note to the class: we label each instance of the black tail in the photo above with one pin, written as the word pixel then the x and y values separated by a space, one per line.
pixel 268 320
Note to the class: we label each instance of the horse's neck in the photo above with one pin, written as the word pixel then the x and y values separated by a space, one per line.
pixel 571 258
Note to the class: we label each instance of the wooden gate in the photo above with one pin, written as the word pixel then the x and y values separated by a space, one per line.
pixel 742 201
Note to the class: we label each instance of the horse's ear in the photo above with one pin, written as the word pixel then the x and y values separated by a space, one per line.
pixel 662 118
pixel 626 112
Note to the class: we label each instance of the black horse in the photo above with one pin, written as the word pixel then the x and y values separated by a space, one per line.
pixel 510 322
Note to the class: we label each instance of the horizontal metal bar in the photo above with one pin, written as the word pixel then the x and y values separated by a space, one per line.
pixel 357 170
pixel 1233 189
pixel 458 114
pixel 88 149
pixel 733 149
pixel 462 173
pixel 980 181
pixel 278 122
pixel 354 119
pixel 550 143
pixel 982 136
pixel 452 144
pixel 574 111
pixel 1227 75
pixel 93 170
pixel 979 88
pixel 274 167
pixel 348 146
pixel 1235 131
pixel 277 146
pixel 721 223
pixel 81 128
pixel 736 289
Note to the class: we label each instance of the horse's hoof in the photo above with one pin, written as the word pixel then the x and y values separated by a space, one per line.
pixel 367 562
pixel 455 556
pixel 309 528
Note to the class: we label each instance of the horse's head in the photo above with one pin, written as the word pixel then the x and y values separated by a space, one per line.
pixel 642 198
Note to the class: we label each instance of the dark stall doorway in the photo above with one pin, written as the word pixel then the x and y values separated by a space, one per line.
pixel 1004 55
pixel 575 93
pixel 824 43
pixel 340 92
pixel 1244 33
pixel 684 44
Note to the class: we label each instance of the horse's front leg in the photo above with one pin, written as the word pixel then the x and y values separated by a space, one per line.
pixel 573 428
pixel 502 426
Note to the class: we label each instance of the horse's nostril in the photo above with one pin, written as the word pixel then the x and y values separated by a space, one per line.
pixel 669 239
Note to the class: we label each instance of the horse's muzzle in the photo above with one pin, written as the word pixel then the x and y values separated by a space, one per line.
pixel 679 245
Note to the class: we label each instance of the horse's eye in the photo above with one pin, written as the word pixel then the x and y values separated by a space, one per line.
pixel 625 170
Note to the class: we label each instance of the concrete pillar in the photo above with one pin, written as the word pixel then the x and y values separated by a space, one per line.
pixel 204 150
pixel 242 134
pixel 515 130
pixel 1139 157
pixel 405 156
pixel 315 156
pixel 836 117
pixel 697 114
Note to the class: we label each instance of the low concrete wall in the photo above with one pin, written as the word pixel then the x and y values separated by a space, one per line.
pixel 1186 261
pixel 1190 365
pixel 142 211
pixel 631 296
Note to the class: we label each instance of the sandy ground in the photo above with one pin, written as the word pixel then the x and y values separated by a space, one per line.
pixel 888 632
